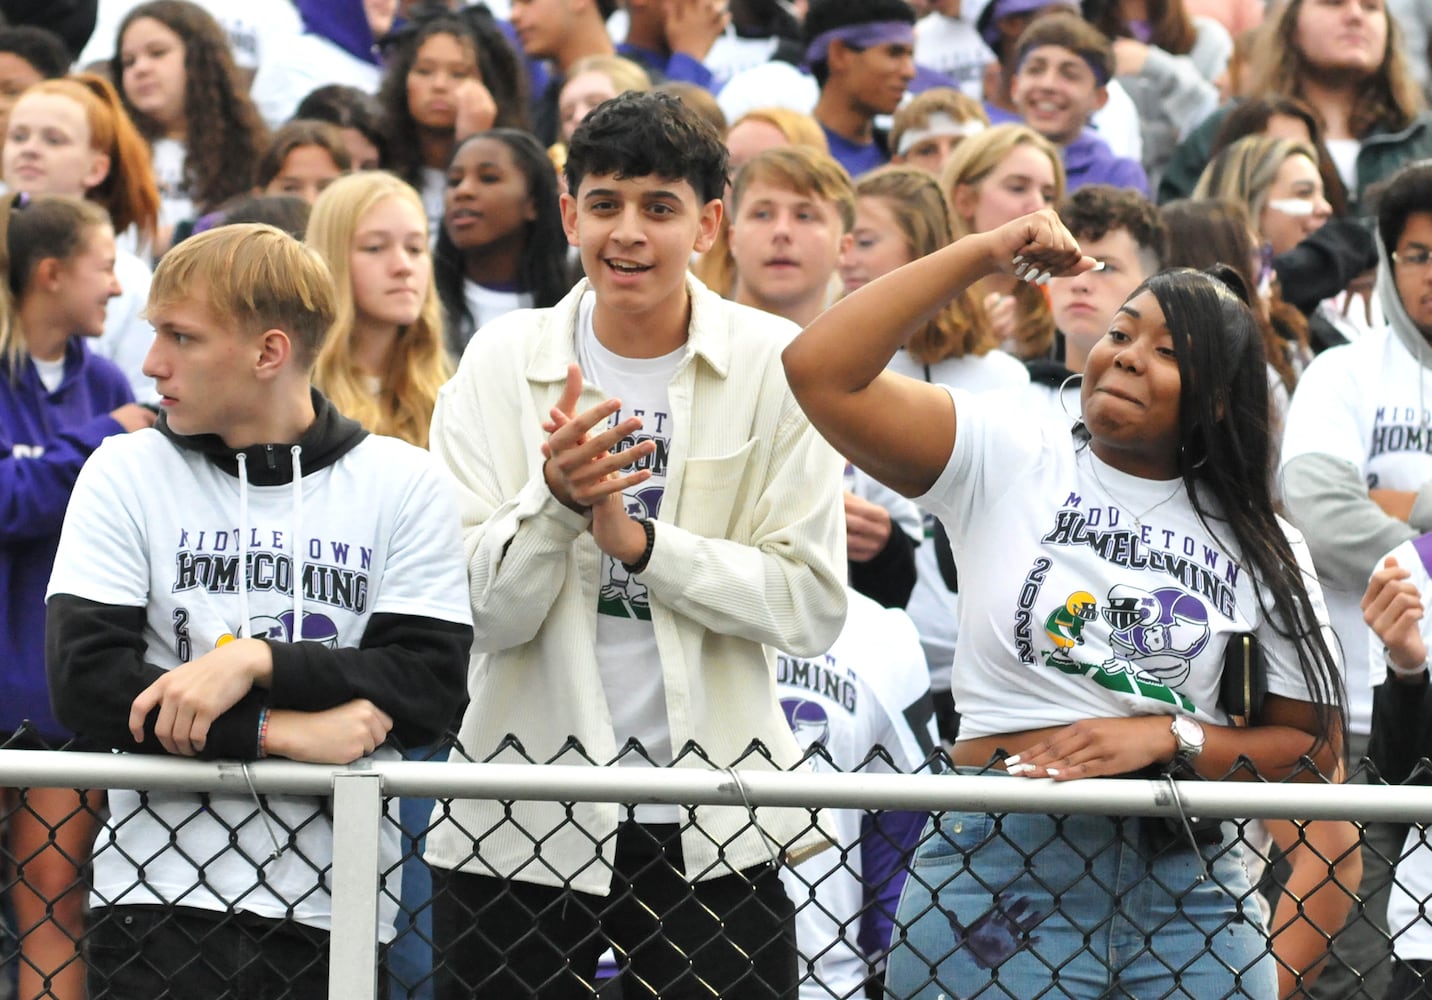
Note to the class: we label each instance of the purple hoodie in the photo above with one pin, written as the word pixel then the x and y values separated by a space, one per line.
pixel 44 439
pixel 342 22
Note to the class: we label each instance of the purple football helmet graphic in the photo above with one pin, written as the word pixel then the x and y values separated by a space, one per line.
pixel 1155 634
pixel 807 719
pixel 316 628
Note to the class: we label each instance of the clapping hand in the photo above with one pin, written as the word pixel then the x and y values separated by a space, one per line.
pixel 1392 608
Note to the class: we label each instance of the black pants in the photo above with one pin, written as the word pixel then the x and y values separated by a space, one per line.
pixel 731 937
pixel 183 953
pixel 1410 981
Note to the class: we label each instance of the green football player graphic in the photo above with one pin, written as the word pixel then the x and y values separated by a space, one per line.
pixel 1065 625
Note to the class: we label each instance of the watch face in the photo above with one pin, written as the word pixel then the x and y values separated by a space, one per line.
pixel 1189 734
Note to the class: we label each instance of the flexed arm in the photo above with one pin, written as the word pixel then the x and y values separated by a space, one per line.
pixel 836 367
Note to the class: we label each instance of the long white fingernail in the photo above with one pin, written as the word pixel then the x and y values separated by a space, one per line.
pixel 1098 267
pixel 1044 278
pixel 1018 258
pixel 1019 768
pixel 1053 772
pixel 1019 271
pixel 1012 760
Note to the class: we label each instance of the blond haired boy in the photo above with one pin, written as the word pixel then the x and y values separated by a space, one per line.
pixel 255 576
pixel 792 210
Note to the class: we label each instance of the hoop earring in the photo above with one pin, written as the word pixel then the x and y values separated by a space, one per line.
pixel 1064 405
pixel 1183 457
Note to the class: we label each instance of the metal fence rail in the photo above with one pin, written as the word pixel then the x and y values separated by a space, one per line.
pixel 358 794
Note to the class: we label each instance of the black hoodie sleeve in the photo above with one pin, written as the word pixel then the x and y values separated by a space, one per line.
pixel 888 579
pixel 1325 263
pixel 94 659
pixel 1401 727
pixel 413 668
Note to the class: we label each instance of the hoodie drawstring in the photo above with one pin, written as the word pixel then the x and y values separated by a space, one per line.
pixel 243 629
pixel 298 544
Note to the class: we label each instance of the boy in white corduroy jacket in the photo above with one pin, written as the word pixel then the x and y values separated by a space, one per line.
pixel 646 512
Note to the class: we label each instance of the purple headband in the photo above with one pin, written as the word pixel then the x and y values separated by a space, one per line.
pixel 860 36
pixel 1101 76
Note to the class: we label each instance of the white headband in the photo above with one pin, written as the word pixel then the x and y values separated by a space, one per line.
pixel 939 124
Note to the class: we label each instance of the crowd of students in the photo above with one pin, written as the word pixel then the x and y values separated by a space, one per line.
pixel 631 382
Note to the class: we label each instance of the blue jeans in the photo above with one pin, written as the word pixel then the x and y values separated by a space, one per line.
pixel 410 956
pixel 1024 906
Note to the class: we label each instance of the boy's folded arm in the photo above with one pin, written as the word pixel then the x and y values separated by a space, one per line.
pixel 94 660
pixel 411 667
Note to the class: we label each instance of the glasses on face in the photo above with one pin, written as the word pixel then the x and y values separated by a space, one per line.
pixel 1418 258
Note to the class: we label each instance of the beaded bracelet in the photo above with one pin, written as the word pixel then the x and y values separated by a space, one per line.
pixel 263 733
pixel 640 564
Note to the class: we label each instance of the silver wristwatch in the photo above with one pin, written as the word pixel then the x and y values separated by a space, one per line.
pixel 1188 733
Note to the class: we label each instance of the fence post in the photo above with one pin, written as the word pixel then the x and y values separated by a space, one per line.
pixel 353 946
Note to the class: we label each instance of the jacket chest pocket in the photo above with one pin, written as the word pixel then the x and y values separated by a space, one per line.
pixel 713 491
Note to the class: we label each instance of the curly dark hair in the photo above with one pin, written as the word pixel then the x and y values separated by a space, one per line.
pixel 225 134
pixel 1095 210
pixel 498 65
pixel 648 135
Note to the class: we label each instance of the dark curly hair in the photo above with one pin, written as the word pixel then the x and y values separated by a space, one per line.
pixel 224 134
pixel 648 135
pixel 1095 210
pixel 498 65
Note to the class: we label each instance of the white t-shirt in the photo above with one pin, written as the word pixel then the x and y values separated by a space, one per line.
pixel 176 201
pixel 51 373
pixel 486 304
pixel 1063 403
pixel 299 64
pixel 433 194
pixel 1086 592
pixel 174 552
pixel 1344 153
pixel 953 46
pixel 1117 123
pixel 253 26
pixel 626 645
pixel 127 334
pixel 933 606
pixel 864 693
pixel 1367 404
pixel 767 85
pixel 731 54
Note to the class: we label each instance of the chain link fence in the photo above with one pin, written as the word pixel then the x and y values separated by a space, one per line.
pixel 1304 875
